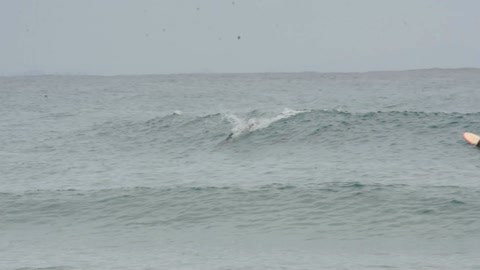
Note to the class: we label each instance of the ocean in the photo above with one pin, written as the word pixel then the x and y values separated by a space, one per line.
pixel 240 171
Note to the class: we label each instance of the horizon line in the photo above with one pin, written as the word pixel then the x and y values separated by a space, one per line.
pixel 67 74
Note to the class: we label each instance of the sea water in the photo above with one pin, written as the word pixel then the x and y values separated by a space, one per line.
pixel 319 171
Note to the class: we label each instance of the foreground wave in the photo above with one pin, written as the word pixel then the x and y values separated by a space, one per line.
pixel 328 208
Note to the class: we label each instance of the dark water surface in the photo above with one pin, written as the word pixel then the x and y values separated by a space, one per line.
pixel 322 171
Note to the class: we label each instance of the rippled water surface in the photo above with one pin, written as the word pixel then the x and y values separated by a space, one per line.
pixel 240 171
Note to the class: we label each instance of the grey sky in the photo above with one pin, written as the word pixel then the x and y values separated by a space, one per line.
pixel 183 36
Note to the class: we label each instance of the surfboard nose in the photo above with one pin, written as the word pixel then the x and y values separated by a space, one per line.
pixel 471 138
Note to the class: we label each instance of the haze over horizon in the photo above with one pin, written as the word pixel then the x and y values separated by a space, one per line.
pixel 238 36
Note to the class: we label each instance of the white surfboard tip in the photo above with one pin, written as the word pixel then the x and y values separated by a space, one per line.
pixel 471 138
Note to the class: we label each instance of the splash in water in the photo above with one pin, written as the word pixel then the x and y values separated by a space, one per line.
pixel 244 126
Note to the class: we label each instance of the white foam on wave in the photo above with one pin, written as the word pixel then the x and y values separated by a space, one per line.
pixel 243 126
pixel 177 112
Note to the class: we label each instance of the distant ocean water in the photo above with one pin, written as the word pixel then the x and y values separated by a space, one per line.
pixel 319 171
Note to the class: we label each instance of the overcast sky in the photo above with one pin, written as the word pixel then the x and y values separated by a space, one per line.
pixel 109 37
